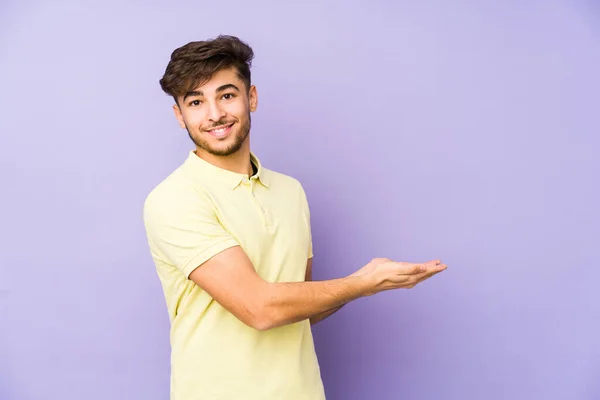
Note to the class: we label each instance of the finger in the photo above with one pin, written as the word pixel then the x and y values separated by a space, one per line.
pixel 441 267
pixel 429 274
pixel 422 278
pixel 404 268
pixel 435 266
pixel 433 270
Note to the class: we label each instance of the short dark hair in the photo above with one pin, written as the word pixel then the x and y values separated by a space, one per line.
pixel 196 62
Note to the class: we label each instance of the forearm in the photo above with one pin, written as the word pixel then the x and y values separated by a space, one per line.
pixel 321 316
pixel 286 303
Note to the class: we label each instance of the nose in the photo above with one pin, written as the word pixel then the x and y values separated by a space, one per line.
pixel 215 113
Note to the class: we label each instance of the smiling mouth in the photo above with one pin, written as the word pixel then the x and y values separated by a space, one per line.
pixel 220 131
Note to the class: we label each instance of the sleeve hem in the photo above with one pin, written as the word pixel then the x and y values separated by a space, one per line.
pixel 206 254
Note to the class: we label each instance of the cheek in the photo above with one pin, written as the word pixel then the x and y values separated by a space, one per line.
pixel 239 111
pixel 194 120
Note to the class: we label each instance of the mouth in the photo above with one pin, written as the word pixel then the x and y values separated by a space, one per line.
pixel 220 131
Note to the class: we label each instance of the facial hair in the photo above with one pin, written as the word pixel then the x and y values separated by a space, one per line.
pixel 238 141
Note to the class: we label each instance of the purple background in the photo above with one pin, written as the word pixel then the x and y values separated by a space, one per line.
pixel 466 131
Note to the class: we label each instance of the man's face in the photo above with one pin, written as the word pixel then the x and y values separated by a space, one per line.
pixel 217 113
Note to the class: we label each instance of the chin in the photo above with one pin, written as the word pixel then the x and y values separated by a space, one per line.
pixel 224 148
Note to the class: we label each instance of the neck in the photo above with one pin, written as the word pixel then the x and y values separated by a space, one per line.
pixel 238 162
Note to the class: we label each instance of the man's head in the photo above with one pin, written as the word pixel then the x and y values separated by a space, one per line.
pixel 210 83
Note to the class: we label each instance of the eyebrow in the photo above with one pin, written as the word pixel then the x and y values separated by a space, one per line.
pixel 221 88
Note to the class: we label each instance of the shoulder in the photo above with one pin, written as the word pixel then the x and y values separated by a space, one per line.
pixel 289 189
pixel 281 181
pixel 175 194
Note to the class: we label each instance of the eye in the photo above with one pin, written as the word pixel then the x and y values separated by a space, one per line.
pixel 194 103
pixel 228 96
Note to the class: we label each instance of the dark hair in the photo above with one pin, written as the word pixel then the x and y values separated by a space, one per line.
pixel 196 62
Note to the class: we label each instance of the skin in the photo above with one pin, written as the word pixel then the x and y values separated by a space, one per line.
pixel 224 100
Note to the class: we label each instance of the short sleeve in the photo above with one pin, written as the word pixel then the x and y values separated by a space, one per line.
pixel 183 229
pixel 310 248
pixel 306 209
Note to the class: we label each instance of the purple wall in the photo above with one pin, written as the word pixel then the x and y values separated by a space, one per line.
pixel 466 131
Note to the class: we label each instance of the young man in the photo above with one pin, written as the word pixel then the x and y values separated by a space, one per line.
pixel 232 245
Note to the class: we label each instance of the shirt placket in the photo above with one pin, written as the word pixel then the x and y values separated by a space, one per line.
pixel 251 184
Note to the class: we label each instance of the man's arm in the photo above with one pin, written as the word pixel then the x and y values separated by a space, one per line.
pixel 230 278
pixel 321 316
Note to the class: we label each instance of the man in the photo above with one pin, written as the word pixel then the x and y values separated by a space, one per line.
pixel 232 245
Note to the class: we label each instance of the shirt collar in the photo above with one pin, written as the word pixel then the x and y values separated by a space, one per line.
pixel 231 179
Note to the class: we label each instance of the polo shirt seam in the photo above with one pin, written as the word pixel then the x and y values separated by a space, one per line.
pixel 206 254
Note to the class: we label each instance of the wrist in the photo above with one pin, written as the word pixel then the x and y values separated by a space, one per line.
pixel 363 284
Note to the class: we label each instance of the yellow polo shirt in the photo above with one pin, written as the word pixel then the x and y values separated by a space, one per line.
pixel 198 211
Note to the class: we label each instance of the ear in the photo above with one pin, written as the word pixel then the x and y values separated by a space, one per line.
pixel 178 115
pixel 253 98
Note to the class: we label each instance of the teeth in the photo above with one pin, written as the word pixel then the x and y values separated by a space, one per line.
pixel 219 130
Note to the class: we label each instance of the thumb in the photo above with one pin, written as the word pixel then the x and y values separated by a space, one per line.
pixel 418 268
